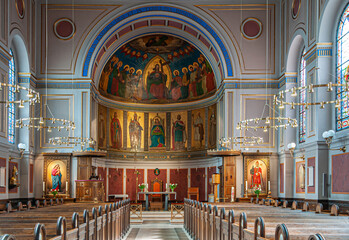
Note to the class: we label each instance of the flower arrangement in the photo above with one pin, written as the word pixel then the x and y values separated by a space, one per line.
pixel 54 192
pixel 141 186
pixel 257 191
pixel 173 186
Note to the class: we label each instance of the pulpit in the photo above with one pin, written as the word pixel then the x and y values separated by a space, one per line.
pixel 90 190
pixel 193 192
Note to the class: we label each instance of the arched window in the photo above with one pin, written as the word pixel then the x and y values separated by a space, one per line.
pixel 302 98
pixel 342 70
pixel 11 97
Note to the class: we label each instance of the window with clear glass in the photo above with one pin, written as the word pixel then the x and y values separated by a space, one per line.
pixel 342 70
pixel 302 99
pixel 11 97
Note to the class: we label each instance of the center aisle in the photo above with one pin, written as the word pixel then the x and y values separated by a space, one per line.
pixel 153 229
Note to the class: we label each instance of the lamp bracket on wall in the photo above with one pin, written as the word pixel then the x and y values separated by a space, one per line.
pixel 21 148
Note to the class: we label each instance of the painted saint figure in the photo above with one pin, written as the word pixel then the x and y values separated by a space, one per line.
pixel 199 129
pixel 256 176
pixel 178 134
pixel 156 83
pixel 157 133
pixel 135 130
pixel 56 177
pixel 116 132
pixel 212 129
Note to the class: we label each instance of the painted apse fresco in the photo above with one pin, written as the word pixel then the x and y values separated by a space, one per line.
pixel 121 130
pixel 157 69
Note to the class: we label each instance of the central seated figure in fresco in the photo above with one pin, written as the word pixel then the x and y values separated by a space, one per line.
pixel 157 69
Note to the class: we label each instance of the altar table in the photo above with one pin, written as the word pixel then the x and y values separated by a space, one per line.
pixel 156 193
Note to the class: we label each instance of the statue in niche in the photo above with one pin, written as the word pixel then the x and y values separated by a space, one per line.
pixel 14 177
pixel 157 132
pixel 178 134
pixel 301 174
pixel 212 129
pixel 116 132
pixel 199 129
pixel 135 130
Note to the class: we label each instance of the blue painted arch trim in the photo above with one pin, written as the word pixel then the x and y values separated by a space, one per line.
pixel 157 8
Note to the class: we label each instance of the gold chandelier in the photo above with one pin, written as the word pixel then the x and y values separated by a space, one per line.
pixel 267 123
pixel 72 141
pixel 279 98
pixel 33 96
pixel 45 123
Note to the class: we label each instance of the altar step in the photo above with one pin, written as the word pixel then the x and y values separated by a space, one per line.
pixel 156 216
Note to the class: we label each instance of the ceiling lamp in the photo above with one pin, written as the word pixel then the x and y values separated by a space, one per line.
pixel 230 142
pixel 267 123
pixel 72 141
pixel 45 123
pixel 279 98
pixel 33 96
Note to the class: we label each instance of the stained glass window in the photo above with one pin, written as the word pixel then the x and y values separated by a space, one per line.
pixel 342 70
pixel 302 98
pixel 11 97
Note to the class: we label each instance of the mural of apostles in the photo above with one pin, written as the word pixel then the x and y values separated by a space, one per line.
pixel 135 130
pixel 169 70
pixel 115 132
pixel 198 125
pixel 179 136
pixel 157 132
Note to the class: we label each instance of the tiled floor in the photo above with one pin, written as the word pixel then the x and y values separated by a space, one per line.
pixel 157 230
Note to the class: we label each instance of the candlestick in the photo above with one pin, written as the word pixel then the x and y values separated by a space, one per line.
pixel 67 188
pixel 246 189
pixel 268 186
pixel 43 186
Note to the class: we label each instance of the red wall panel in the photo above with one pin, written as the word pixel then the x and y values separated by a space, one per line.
pixel 11 165
pixel 311 163
pixel 3 164
pixel 340 174
pixel 162 176
pixel 179 176
pixel 197 179
pixel 210 171
pixel 131 183
pixel 116 183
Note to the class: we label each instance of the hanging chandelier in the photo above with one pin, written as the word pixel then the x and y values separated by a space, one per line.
pixel 267 123
pixel 33 96
pixel 279 98
pixel 45 123
pixel 231 141
pixel 72 141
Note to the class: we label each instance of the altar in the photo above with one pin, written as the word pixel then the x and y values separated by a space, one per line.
pixel 157 193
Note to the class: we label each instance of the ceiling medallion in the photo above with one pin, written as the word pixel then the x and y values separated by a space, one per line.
pixel 33 96
pixel 45 123
pixel 279 98
pixel 267 123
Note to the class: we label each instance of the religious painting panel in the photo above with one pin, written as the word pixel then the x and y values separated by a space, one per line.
pixel 157 69
pixel 197 179
pixel 31 178
pixel 300 177
pixel 134 177
pixel 116 177
pixel 115 129
pixel 157 131
pixel 212 126
pixel 179 132
pixel 179 176
pixel 198 129
pixel 257 174
pixel 135 136
pixel 102 127
pixel 13 177
pixel 340 174
pixel 56 176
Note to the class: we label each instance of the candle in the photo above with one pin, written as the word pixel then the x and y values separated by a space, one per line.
pixel 43 186
pixel 67 186
pixel 232 194
pixel 246 186
pixel 166 186
pixel 268 185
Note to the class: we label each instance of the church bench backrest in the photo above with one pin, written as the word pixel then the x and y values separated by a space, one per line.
pixel 259 228
pixel 334 210
pixel 281 232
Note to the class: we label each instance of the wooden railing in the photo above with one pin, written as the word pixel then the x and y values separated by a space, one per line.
pixel 109 223
pixel 204 222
